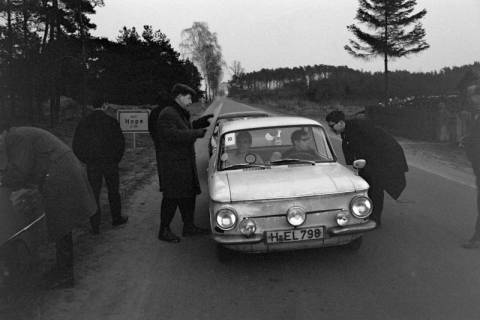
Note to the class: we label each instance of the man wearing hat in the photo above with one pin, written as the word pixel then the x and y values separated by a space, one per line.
pixel 177 168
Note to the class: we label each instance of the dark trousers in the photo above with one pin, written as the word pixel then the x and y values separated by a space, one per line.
pixel 158 165
pixel 96 173
pixel 64 253
pixel 170 205
pixel 376 194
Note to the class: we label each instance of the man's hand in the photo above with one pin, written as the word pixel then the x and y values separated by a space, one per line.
pixel 202 122
pixel 201 132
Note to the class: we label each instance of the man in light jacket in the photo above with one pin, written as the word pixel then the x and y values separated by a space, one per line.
pixel 36 159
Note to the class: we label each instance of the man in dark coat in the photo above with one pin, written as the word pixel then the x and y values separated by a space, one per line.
pixel 36 159
pixel 471 143
pixel 178 171
pixel 386 163
pixel 98 141
pixel 152 127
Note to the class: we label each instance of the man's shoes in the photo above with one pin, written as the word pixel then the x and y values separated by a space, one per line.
pixel 119 221
pixel 194 230
pixel 168 235
pixel 472 244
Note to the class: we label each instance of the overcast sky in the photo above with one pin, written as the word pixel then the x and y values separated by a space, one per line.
pixel 288 33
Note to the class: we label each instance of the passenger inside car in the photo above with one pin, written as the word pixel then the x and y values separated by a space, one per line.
pixel 241 154
pixel 302 147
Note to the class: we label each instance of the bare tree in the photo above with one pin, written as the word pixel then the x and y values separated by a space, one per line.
pixel 236 68
pixel 201 46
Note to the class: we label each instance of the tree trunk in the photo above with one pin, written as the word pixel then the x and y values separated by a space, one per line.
pixel 386 59
pixel 84 61
pixel 28 74
pixel 9 84
pixel 54 64
pixel 386 80
pixel 47 24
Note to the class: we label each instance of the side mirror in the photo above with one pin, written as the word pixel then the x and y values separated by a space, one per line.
pixel 359 164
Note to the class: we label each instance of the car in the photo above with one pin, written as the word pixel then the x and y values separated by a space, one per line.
pixel 230 116
pixel 264 200
pixel 22 231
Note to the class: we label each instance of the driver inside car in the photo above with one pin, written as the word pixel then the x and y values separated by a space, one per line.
pixel 242 153
pixel 301 149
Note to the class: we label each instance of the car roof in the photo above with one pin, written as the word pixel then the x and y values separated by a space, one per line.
pixel 275 121
pixel 239 114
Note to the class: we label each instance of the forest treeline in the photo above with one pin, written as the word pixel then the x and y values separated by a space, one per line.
pixel 47 51
pixel 339 84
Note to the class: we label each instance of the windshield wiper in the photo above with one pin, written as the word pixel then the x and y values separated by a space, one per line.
pixel 291 161
pixel 244 165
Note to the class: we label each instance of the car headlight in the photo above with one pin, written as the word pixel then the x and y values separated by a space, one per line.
pixel 248 227
pixel 226 218
pixel 296 216
pixel 361 207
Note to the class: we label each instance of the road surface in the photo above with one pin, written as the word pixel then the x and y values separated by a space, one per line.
pixel 411 268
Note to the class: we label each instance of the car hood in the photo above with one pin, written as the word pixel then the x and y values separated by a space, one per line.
pixel 293 181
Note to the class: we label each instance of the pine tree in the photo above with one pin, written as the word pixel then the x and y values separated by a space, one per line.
pixel 397 31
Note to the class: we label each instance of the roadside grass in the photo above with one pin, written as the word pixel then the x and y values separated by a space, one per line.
pixel 304 108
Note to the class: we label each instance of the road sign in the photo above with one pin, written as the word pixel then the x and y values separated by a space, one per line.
pixel 133 121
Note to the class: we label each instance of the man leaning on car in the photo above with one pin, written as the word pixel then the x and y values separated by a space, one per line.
pixel 386 163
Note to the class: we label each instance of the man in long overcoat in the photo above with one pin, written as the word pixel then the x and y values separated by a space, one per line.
pixel 99 143
pixel 386 163
pixel 153 127
pixel 178 171
pixel 38 159
pixel 471 144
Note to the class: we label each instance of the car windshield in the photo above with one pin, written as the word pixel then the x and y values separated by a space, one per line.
pixel 273 146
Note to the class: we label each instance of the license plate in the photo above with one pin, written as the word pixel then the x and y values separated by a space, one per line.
pixel 294 235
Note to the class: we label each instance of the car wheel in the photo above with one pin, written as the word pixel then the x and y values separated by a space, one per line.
pixel 224 254
pixel 354 245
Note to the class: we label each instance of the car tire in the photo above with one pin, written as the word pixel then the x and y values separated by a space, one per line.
pixel 354 245
pixel 224 255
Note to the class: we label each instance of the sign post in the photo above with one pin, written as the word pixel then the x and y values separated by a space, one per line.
pixel 133 121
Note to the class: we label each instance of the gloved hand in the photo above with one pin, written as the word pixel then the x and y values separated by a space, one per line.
pixel 202 122
pixel 201 132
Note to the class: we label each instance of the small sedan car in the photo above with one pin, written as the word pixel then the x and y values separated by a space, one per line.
pixel 230 116
pixel 270 190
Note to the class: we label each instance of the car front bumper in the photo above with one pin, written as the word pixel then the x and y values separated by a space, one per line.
pixel 334 236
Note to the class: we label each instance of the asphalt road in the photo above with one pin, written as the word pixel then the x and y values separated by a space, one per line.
pixel 411 268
